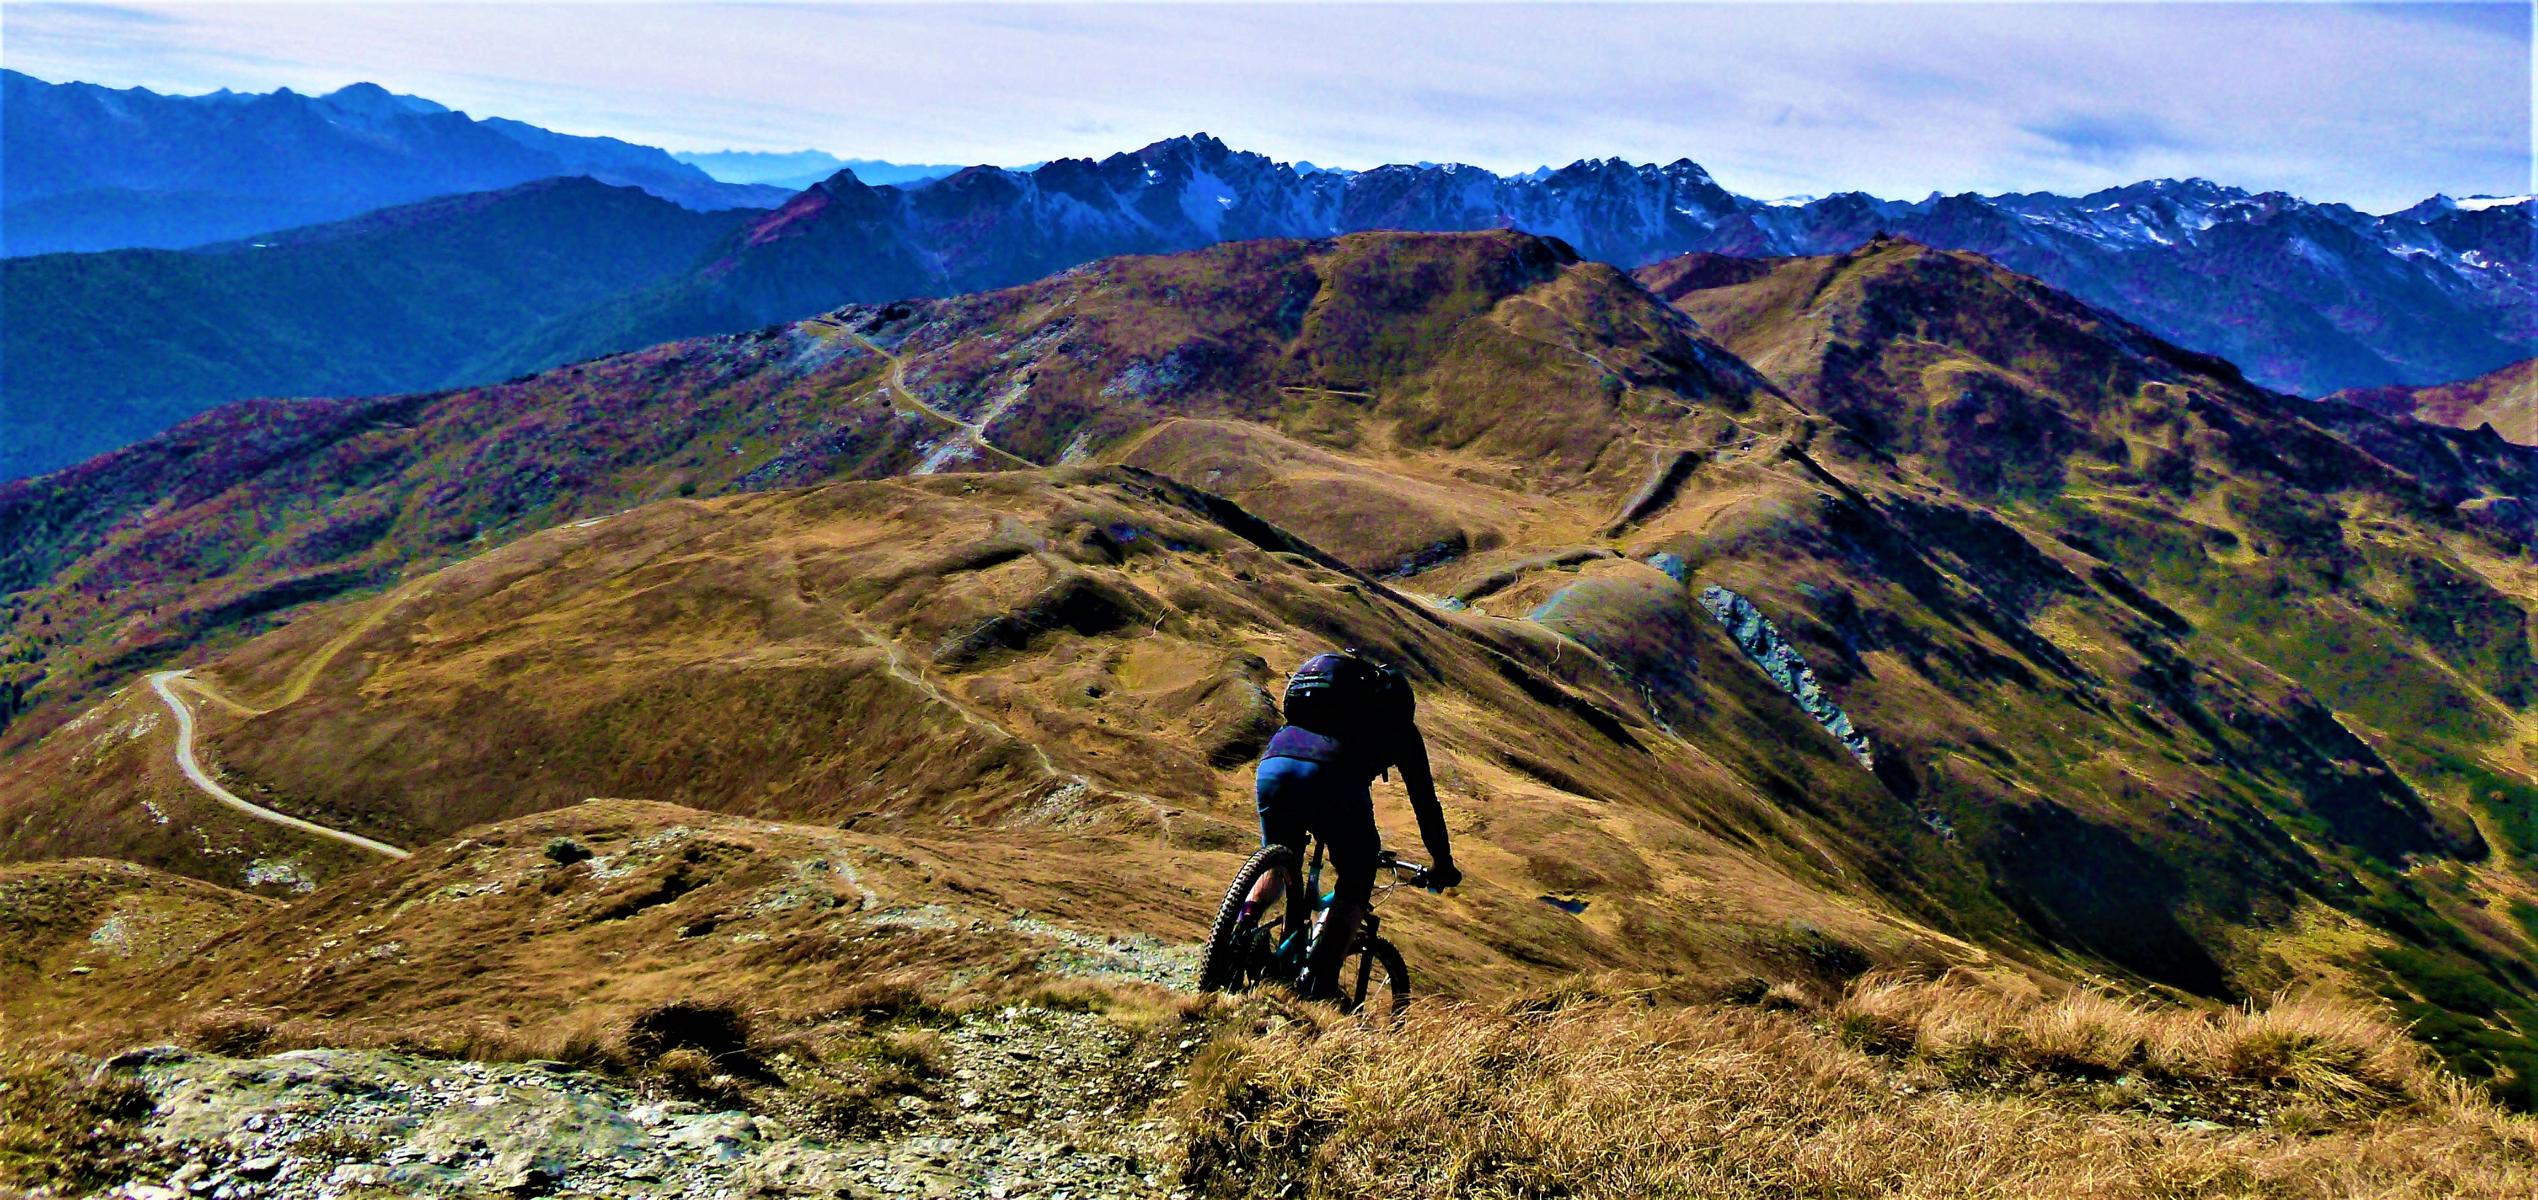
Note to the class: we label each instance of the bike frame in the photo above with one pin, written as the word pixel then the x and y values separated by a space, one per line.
pixel 1369 923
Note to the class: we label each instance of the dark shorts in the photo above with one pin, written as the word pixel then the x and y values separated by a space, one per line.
pixel 1297 797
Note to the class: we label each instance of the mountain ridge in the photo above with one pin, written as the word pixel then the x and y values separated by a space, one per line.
pixel 2309 298
pixel 2504 400
pixel 2157 673
pixel 801 168
pixel 93 168
pixel 2387 299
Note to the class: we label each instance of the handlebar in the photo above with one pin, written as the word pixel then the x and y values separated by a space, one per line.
pixel 1414 874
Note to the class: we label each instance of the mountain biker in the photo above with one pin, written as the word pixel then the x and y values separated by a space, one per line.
pixel 1349 719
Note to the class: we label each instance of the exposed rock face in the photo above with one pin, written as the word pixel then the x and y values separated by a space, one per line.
pixel 1761 641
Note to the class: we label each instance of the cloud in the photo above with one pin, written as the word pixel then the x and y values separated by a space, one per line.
pixel 2105 139
pixel 128 16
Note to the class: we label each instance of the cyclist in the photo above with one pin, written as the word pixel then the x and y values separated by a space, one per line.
pixel 1349 719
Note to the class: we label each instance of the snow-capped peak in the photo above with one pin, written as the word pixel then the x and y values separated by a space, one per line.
pixel 2441 203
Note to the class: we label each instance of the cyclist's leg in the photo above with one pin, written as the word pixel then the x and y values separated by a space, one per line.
pixel 1346 824
pixel 1283 789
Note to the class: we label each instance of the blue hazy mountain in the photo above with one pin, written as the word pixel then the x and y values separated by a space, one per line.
pixel 94 168
pixel 799 169
pixel 107 348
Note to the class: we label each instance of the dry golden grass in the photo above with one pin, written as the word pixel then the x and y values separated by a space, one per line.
pixel 1615 1098
pixel 2323 1049
pixel 2506 398
pixel 62 1131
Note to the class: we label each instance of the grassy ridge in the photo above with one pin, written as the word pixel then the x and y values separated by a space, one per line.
pixel 2505 398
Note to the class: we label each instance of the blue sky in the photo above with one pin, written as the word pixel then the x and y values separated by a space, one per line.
pixel 2374 105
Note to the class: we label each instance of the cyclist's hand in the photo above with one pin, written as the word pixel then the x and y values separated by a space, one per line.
pixel 1441 877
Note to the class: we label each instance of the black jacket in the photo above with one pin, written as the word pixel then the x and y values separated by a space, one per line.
pixel 1372 755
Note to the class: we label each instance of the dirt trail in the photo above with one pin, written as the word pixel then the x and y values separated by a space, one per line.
pixel 306 673
pixel 185 761
pixel 973 434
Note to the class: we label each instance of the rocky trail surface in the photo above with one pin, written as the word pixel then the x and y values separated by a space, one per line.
pixel 1029 1101
pixel 971 441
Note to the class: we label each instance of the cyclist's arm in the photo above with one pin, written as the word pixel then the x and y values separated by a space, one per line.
pixel 1412 757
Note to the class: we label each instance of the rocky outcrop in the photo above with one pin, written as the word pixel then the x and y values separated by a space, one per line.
pixel 1027 1100
pixel 1761 642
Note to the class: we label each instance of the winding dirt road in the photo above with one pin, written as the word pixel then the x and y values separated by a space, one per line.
pixel 973 434
pixel 200 778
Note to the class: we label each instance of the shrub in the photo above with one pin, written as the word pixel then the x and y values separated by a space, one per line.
pixel 229 1031
pixel 695 1075
pixel 717 1031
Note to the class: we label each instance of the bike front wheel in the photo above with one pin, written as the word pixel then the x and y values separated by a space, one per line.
pixel 1250 939
pixel 1375 982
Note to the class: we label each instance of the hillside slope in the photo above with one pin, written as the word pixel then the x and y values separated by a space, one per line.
pixel 1965 623
pixel 2505 398
pixel 258 507
pixel 2337 559
pixel 106 349
pixel 709 1002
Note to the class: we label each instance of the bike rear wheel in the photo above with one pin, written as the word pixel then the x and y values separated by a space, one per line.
pixel 1246 943
pixel 1375 982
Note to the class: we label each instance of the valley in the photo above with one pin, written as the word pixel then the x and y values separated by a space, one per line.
pixel 98 168
pixel 105 349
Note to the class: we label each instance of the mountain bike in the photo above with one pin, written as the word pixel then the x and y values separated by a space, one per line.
pixel 1270 939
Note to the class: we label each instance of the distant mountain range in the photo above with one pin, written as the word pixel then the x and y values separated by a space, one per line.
pixel 2305 297
pixel 799 169
pixel 94 168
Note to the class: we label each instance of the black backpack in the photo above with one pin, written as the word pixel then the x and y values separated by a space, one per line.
pixel 1348 695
